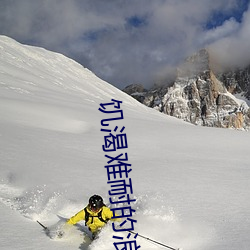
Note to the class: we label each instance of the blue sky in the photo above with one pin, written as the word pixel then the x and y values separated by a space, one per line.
pixel 132 41
pixel 218 17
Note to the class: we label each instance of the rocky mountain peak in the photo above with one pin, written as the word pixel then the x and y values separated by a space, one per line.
pixel 200 96
pixel 196 64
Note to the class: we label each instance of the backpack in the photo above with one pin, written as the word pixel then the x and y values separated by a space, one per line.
pixel 99 216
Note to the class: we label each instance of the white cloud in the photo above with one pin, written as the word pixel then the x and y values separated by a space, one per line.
pixel 233 50
pixel 97 32
pixel 228 28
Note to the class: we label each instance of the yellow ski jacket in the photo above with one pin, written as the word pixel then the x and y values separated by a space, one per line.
pixel 93 223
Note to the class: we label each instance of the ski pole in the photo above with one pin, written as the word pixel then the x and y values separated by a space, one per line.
pixel 159 243
pixel 45 228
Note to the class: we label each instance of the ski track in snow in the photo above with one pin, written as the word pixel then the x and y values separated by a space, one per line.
pixel 32 204
pixel 41 204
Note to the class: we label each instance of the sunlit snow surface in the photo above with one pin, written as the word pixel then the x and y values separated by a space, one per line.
pixel 192 184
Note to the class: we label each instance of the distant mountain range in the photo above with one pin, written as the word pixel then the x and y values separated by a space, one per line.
pixel 201 94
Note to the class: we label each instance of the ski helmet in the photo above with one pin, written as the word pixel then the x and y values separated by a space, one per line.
pixel 95 202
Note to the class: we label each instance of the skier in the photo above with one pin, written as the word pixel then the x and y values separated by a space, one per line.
pixel 95 214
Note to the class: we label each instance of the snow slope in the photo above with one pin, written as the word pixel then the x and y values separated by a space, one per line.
pixel 192 184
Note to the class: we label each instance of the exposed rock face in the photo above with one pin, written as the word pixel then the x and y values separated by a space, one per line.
pixel 237 81
pixel 199 97
pixel 137 91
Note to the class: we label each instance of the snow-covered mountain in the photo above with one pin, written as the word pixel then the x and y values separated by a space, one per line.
pixel 201 95
pixel 191 183
pixel 237 81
